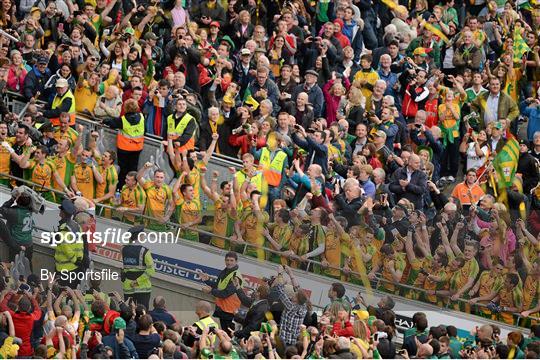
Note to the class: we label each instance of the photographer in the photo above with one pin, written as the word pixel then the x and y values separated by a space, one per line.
pixel 18 235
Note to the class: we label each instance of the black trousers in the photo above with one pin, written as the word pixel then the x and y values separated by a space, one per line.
pixel 140 298
pixel 450 159
pixel 226 321
pixel 127 161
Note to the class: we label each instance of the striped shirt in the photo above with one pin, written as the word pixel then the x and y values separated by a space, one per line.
pixel 110 179
pixel 132 198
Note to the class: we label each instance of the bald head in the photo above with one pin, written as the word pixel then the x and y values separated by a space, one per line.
pixel 414 162
pixel 203 308
pixel 424 351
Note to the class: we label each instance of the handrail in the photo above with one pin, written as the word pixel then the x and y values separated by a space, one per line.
pixel 311 262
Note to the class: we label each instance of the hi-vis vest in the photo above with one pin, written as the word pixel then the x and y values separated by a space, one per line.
pixel 175 132
pixel 131 137
pixel 58 101
pixel 69 251
pixel 207 323
pixel 232 303
pixel 272 170
pixel 133 261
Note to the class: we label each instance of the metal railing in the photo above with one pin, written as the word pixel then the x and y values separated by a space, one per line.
pixel 310 262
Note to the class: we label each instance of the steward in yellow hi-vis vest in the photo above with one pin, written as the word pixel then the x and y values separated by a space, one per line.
pixel 63 102
pixel 69 252
pixel 224 290
pixel 182 127
pixel 138 267
pixel 272 163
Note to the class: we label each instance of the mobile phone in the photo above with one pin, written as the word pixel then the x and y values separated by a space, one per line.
pixel 102 100
pixel 61 27
pixel 376 336
pixel 394 231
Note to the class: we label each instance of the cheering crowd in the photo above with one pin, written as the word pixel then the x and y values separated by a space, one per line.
pixel 391 144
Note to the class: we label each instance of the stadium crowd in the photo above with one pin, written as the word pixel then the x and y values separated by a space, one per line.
pixel 391 144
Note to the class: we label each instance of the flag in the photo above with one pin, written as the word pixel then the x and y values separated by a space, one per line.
pixel 391 4
pixel 433 29
pixel 520 47
pixel 506 162
pixel 248 99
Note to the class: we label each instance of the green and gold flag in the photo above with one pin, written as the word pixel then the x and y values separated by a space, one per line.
pixel 520 47
pixel 506 162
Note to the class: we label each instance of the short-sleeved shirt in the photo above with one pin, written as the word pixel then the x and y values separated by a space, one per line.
pixel 469 270
pixel 42 174
pixel 5 157
pixel 65 166
pixel 69 134
pixel 399 265
pixel 132 199
pixel 189 212
pixel 157 198
pixel 85 180
pixel 110 179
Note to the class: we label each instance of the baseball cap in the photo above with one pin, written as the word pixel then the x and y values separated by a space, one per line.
pixel 61 82
pixel 498 125
pixel 420 51
pixel 245 51
pixel 67 207
pixel 129 30
pixel 215 23
pixel 46 127
pixel 361 314
pixel 43 60
pixel 380 133
pixel 150 36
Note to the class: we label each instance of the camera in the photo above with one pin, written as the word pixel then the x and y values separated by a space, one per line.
pixel 37 202
pixel 23 288
pixel 212 330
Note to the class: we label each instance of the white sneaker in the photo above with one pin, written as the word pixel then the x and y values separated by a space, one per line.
pixel 450 179
pixel 443 179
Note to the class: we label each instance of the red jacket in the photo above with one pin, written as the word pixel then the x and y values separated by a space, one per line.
pixel 340 329
pixel 24 324
pixel 411 100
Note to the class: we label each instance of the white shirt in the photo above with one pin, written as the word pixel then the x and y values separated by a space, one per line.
pixel 492 109
pixel 473 160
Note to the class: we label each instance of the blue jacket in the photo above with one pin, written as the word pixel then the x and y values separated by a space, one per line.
pixel 317 152
pixel 163 315
pixel 533 113
pixel 123 351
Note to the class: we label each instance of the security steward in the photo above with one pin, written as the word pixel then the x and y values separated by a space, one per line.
pixel 129 139
pixel 182 127
pixel 138 268
pixel 69 251
pixel 224 290
pixel 63 102
pixel 203 309
pixel 272 162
